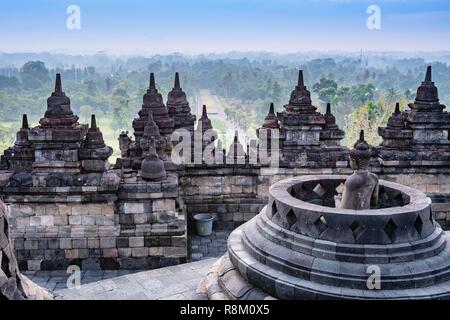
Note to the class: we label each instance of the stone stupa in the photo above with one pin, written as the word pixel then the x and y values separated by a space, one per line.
pixel 417 139
pixel 153 101
pixel 307 137
pixel 300 246
pixel 179 109
pixel 204 125
pixel 20 156
pixel 94 153
pixel 269 129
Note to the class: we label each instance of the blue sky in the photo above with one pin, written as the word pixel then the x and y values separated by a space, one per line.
pixel 204 26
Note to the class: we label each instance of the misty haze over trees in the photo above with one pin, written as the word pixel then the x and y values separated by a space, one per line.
pixel 362 89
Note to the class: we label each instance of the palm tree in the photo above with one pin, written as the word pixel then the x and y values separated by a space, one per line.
pixel 392 95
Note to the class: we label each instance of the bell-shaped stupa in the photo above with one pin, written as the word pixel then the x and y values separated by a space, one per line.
pixel 178 106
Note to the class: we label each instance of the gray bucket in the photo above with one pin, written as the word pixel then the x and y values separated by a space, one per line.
pixel 203 224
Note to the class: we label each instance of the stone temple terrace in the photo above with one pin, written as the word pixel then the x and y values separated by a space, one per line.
pixel 308 229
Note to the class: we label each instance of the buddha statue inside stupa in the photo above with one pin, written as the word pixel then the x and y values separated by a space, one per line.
pixel 361 188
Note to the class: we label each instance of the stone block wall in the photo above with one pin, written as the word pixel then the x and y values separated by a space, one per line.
pixel 139 226
pixel 145 239
pixel 230 194
pixel 55 235
pixel 152 225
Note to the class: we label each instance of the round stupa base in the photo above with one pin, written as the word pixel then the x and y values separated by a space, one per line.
pixel 237 275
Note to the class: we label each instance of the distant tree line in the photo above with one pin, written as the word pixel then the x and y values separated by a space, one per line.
pixel 355 88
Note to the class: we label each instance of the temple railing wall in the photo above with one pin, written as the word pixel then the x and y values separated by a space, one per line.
pixel 235 194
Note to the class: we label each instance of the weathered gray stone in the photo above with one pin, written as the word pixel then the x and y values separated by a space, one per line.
pixel 271 251
pixel 13 285
pixel 135 242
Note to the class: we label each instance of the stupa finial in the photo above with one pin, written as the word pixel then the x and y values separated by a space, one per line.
pixel 300 81
pixel 428 74
pixel 204 112
pixel 361 135
pixel 152 81
pixel 271 109
pixel 397 108
pixel 93 122
pixel 328 112
pixel 176 84
pixel 25 121
pixel 58 85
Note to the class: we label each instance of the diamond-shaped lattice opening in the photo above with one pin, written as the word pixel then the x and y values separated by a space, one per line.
pixel 356 229
pixel 418 225
pixel 292 192
pixel 383 199
pixel 5 264
pixel 6 229
pixel 392 193
pixel 320 193
pixel 291 218
pixel 306 194
pixel 330 184
pixel 330 188
pixel 319 190
pixel 274 208
pixel 398 200
pixel 321 224
pixel 431 216
pixel 390 229
pixel 405 199
pixel 309 185
pixel 388 197
pixel 340 188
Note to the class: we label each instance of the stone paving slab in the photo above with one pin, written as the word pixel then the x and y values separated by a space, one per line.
pixel 177 282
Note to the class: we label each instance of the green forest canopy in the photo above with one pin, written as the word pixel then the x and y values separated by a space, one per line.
pixel 361 91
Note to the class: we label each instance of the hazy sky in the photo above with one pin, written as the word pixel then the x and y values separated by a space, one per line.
pixel 204 26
